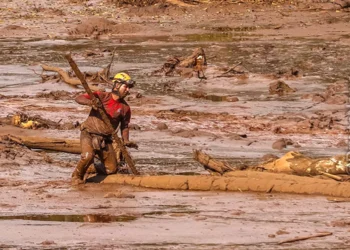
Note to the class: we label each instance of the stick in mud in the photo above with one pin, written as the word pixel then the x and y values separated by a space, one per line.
pixel 104 116
pixel 305 238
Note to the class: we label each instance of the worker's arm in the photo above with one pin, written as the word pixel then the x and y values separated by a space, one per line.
pixel 125 131
pixel 85 99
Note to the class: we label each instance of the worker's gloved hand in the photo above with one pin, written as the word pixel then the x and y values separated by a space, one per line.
pixel 95 104
pixel 131 144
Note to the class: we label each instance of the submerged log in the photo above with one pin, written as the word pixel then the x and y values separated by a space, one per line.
pixel 235 181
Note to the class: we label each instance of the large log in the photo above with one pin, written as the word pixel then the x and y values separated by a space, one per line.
pixel 61 145
pixel 240 181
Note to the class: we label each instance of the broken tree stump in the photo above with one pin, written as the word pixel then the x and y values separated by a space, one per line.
pixel 210 164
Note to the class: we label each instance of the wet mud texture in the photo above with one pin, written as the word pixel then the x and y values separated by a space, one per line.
pixel 232 116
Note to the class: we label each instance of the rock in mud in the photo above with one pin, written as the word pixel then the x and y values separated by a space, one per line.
pixel 337 93
pixel 268 158
pixel 134 127
pixel 280 88
pixel 48 243
pixel 119 195
pixel 281 143
pixel 95 27
pixel 162 126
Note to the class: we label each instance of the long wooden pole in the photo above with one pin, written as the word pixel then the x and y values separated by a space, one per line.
pixel 104 116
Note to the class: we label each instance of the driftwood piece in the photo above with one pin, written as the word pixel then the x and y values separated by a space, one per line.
pixel 305 238
pixel 332 176
pixel 211 164
pixel 66 78
pixel 55 144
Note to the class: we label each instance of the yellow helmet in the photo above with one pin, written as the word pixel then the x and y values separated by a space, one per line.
pixel 122 77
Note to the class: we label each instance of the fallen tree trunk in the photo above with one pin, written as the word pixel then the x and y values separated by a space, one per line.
pixel 61 145
pixel 66 78
pixel 235 181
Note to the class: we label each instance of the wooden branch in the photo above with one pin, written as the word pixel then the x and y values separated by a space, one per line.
pixel 332 176
pixel 210 163
pixel 66 78
pixel 305 238
pixel 108 68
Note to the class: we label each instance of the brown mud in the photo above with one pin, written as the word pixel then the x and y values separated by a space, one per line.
pixel 232 115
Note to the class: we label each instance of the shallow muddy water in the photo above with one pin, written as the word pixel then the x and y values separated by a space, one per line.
pixel 39 206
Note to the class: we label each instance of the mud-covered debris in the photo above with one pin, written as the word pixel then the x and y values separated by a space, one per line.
pixel 138 3
pixel 280 88
pixel 93 79
pixel 336 93
pixel 162 126
pixel 268 158
pixel 119 195
pixel 291 73
pixel 196 62
pixel 234 71
pixel 93 26
pixel 299 164
pixel 134 127
pixel 282 143
pixel 97 27
pixel 23 120
pixel 342 144
pixel 58 95
pixel 48 243
pixel 212 165
pixel 340 223
pixel 212 97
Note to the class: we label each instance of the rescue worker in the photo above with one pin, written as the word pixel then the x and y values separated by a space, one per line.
pixel 95 136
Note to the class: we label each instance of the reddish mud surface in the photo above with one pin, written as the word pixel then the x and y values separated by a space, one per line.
pixel 238 116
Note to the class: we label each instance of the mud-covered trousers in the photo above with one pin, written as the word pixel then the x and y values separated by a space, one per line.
pixel 90 146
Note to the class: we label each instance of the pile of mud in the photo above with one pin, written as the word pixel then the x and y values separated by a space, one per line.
pixel 97 26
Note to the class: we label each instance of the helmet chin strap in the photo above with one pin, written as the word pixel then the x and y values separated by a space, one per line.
pixel 115 89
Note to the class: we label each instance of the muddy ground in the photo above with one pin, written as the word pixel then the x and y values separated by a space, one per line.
pixel 232 116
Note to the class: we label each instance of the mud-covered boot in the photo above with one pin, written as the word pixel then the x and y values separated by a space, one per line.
pixel 76 180
pixel 78 175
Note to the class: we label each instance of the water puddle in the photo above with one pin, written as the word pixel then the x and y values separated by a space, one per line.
pixel 90 218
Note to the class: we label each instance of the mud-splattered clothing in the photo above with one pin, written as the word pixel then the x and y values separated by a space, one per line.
pixel 118 110
pixel 95 137
pixel 106 155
